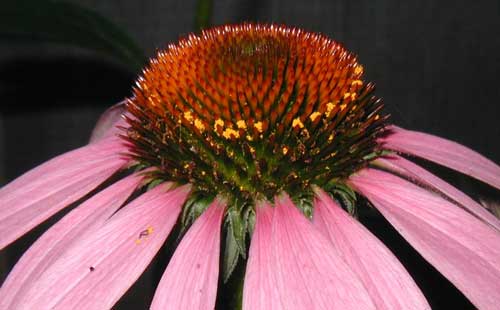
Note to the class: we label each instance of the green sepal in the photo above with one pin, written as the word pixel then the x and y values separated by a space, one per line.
pixel 250 221
pixel 304 202
pixel 193 208
pixel 347 197
pixel 377 154
pixel 154 183
pixel 138 166
pixel 237 226
pixel 231 254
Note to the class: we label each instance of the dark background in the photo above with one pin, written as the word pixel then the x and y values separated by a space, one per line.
pixel 436 65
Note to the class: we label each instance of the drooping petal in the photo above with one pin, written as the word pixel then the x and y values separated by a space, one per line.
pixel 60 237
pixel 99 269
pixel 389 284
pixel 259 291
pixel 405 167
pixel 109 122
pixel 190 280
pixel 443 152
pixel 309 273
pixel 38 194
pixel 461 247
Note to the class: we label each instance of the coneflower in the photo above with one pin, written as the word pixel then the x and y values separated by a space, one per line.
pixel 258 142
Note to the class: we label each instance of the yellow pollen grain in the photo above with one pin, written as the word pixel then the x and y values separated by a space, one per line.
pixel 241 124
pixel 258 126
pixel 252 150
pixel 297 123
pixel 377 117
pixel 228 132
pixel 314 116
pixel 347 95
pixel 186 166
pixel 342 106
pixel 188 116
pixel 199 125
pixel 203 172
pixel 358 69
pixel 218 123
pixel 357 82
pixel 285 150
pixel 330 138
pixel 329 108
pixel 249 138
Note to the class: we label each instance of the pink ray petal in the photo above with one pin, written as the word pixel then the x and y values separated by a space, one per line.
pixel 405 167
pixel 100 268
pixel 259 291
pixel 67 162
pixel 45 190
pixel 60 237
pixel 389 284
pixel 461 247
pixel 190 280
pixel 443 152
pixel 308 271
pixel 108 123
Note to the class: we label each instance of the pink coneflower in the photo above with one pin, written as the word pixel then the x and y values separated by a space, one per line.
pixel 254 140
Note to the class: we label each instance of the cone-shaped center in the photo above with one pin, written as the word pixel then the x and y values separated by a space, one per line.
pixel 252 110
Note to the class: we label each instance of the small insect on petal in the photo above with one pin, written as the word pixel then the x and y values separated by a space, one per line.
pixel 144 234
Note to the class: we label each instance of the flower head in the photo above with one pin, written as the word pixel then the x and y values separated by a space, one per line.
pixel 251 111
pixel 264 135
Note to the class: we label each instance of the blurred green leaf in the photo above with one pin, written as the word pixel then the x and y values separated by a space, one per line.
pixel 67 23
pixel 203 18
